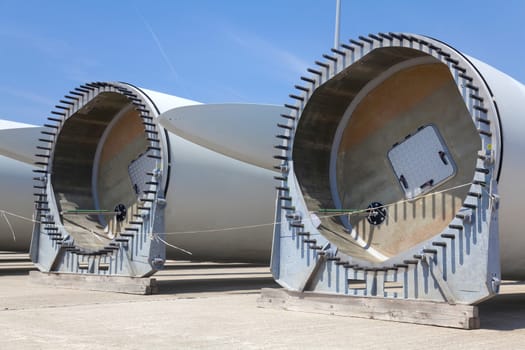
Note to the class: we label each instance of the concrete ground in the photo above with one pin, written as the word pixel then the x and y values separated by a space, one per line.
pixel 209 305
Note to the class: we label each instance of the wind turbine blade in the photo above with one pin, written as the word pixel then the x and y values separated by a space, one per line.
pixel 229 129
pixel 18 141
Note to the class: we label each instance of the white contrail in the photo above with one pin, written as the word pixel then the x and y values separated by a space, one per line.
pixel 159 45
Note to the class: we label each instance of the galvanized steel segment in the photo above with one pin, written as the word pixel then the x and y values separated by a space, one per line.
pixel 315 245
pixel 73 233
pixel 128 177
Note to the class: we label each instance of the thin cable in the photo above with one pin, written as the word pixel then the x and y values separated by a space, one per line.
pixel 156 237
pixel 19 216
pixel 360 211
pixel 97 235
pixel 9 224
pixel 357 211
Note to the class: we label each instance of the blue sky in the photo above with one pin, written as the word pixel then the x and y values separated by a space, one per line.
pixel 219 51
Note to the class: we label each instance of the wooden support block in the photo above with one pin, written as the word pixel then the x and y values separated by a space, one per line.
pixel 398 310
pixel 116 284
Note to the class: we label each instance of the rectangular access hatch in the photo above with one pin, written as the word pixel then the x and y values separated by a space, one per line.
pixel 421 161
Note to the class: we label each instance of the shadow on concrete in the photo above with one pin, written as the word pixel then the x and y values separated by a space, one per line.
pixel 248 285
pixel 504 312
pixel 23 271
pixel 174 273
pixel 206 265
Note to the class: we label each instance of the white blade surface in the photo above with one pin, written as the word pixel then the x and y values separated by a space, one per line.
pixel 18 141
pixel 241 131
